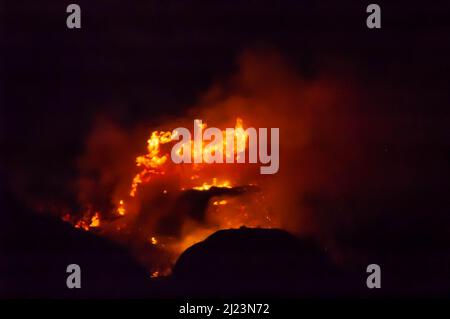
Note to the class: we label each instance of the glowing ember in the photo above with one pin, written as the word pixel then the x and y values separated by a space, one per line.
pixel 153 241
pixel 82 224
pixel 220 202
pixel 121 209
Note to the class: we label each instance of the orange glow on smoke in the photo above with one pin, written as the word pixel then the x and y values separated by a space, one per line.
pixel 127 176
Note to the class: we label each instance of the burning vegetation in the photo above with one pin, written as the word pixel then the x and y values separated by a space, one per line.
pixel 159 208
pixel 220 201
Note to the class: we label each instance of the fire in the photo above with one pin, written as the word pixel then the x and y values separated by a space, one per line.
pixel 153 240
pixel 121 208
pixel 95 220
pixel 226 212
pixel 205 186
pixel 82 224
pixel 86 222
pixel 142 194
pixel 220 202
pixel 153 162
pixel 241 136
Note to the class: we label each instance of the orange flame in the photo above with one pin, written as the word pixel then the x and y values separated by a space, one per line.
pixel 95 220
pixel 155 162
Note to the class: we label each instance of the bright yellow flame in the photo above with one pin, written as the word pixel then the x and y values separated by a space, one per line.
pixel 95 220
pixel 220 202
pixel 121 209
pixel 205 186
pixel 153 241
pixel 241 136
pixel 152 161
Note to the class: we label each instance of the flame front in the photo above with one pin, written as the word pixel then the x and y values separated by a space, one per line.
pixel 224 211
pixel 153 162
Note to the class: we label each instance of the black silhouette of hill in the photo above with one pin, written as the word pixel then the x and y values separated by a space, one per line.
pixel 267 262
pixel 36 250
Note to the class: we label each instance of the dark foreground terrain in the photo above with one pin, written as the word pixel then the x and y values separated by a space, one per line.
pixel 241 262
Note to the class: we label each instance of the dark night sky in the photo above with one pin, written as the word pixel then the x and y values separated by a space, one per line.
pixel 139 59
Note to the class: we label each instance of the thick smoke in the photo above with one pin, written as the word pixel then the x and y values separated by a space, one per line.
pixel 321 158
pixel 348 157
